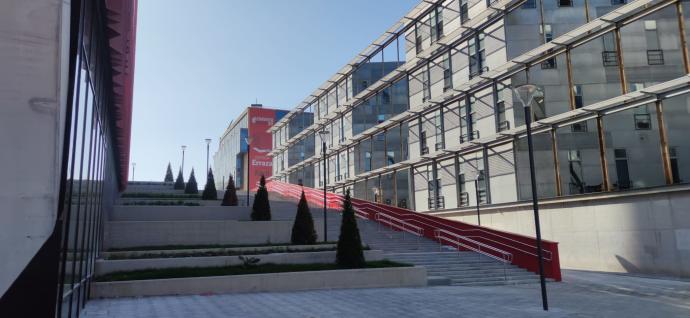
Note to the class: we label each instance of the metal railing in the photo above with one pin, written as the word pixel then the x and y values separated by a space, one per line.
pixel 460 242
pixel 396 223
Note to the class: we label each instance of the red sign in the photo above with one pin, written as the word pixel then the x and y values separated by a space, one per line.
pixel 260 120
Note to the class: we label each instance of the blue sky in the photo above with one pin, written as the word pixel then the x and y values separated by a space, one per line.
pixel 200 63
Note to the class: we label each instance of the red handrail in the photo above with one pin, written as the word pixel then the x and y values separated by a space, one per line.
pixel 522 248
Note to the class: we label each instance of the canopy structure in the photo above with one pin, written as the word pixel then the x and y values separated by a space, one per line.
pixel 121 29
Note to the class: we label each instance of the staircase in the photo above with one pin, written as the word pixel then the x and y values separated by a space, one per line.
pixel 445 266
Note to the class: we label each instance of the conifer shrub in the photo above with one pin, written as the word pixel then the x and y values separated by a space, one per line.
pixel 210 192
pixel 230 196
pixel 168 174
pixel 261 210
pixel 303 231
pixel 179 182
pixel 191 187
pixel 350 253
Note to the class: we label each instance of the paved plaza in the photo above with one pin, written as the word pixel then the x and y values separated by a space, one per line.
pixel 581 294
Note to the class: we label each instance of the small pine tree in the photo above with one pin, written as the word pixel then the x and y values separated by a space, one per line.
pixel 350 254
pixel 179 183
pixel 191 187
pixel 230 196
pixel 261 210
pixel 303 229
pixel 168 174
pixel 210 192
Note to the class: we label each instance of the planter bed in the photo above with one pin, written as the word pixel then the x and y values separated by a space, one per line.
pixel 104 267
pixel 161 202
pixel 159 195
pixel 222 251
pixel 262 278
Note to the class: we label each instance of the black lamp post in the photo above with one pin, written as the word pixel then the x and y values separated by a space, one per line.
pixel 525 94
pixel 324 134
pixel 476 194
pixel 249 150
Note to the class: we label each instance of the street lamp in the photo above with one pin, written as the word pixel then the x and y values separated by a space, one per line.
pixel 208 143
pixel 249 142
pixel 323 134
pixel 525 94
pixel 476 194
pixel 134 165
pixel 183 149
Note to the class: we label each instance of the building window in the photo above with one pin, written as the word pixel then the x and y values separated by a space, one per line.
pixel 464 9
pixel 539 110
pixel 426 86
pixel 655 56
pixel 464 199
pixel 380 118
pixel 576 183
pixel 673 156
pixel 447 74
pixel 385 97
pixel 529 4
pixel 547 33
pixel 579 127
pixel 439 129
pixel 622 172
pixel 565 3
pixel 481 187
pixel 577 91
pixel 367 161
pixel 503 123
pixel 390 157
pixel 422 143
pixel 618 2
pixel 477 55
pixel 643 120
pixel 417 42
pixel 436 21
pixel 609 56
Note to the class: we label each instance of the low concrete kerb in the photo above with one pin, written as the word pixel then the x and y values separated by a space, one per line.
pixel 137 253
pixel 274 282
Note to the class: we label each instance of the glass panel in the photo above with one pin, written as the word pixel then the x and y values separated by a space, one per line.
pixel 402 188
pixel 388 189
pixel 543 163
pixel 578 157
pixel 677 121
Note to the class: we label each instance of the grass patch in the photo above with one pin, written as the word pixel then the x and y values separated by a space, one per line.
pixel 193 247
pixel 159 195
pixel 166 203
pixel 182 272
pixel 220 253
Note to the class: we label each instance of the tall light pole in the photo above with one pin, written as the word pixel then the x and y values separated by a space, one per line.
pixel 323 134
pixel 525 94
pixel 249 149
pixel 134 165
pixel 208 143
pixel 476 194
pixel 183 149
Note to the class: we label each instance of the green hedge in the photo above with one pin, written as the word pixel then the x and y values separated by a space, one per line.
pixel 182 272
pixel 155 195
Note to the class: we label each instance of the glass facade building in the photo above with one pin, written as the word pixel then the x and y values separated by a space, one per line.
pixel 73 62
pixel 441 128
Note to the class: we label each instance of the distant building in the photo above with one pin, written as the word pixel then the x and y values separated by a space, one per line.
pixel 231 156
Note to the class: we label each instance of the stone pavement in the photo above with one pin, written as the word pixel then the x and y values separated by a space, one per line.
pixel 581 294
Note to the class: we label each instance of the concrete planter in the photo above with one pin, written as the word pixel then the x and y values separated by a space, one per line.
pixel 180 213
pixel 110 266
pixel 274 282
pixel 124 234
pixel 126 254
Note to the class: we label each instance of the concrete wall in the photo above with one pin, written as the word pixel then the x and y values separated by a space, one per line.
pixel 636 232
pixel 275 282
pixel 120 234
pixel 110 266
pixel 34 45
pixel 180 213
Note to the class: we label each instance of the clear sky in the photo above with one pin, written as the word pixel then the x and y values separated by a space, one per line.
pixel 200 63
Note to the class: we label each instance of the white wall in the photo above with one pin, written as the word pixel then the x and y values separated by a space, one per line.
pixel 640 231
pixel 34 44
